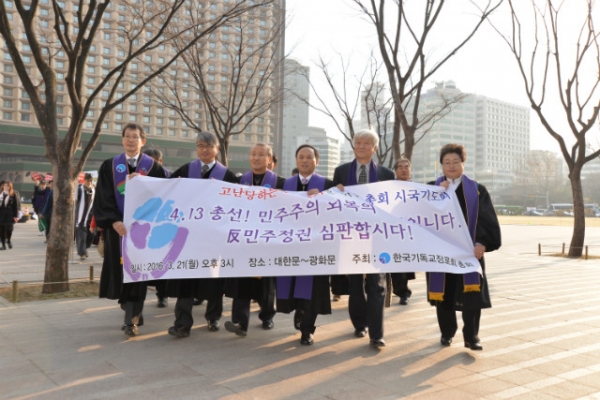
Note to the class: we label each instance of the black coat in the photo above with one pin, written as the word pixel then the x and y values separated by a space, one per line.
pixel 320 302
pixel 11 210
pixel 199 288
pixel 339 283
pixel 106 212
pixel 259 288
pixel 488 234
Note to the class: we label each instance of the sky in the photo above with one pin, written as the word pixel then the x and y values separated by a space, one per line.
pixel 330 28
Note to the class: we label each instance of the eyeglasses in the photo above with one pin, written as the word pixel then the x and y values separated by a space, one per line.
pixel 205 147
pixel 131 137
pixel 453 164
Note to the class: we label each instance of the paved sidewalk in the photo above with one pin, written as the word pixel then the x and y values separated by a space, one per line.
pixel 540 339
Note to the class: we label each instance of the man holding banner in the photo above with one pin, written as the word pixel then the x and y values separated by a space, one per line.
pixel 109 203
pixel 307 295
pixel 367 292
pixel 205 167
pixel 261 289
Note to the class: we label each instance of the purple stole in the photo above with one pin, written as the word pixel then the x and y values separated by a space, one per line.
pixel 269 180
pixel 217 172
pixel 352 175
pixel 472 280
pixel 120 173
pixel 303 284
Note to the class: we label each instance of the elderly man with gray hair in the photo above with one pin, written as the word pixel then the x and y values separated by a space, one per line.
pixel 210 289
pixel 367 293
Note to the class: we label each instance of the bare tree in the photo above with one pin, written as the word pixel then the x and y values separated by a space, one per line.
pixel 377 113
pixel 245 89
pixel 573 72
pixel 402 44
pixel 351 93
pixel 540 173
pixel 68 33
pixel 346 95
pixel 366 90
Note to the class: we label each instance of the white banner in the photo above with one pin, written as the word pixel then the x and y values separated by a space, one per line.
pixel 196 228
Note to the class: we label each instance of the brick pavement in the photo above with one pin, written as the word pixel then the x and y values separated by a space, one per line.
pixel 540 340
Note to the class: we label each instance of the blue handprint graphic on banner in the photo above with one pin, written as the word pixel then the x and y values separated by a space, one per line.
pixel 158 235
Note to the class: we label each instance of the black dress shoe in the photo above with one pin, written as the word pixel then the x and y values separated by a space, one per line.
pixel 162 302
pixel 306 339
pixel 297 319
pixel 446 341
pixel 213 325
pixel 360 332
pixel 403 301
pixel 268 324
pixel 140 323
pixel 235 328
pixel 378 343
pixel 476 346
pixel 131 330
pixel 9 245
pixel 179 331
pixel 198 302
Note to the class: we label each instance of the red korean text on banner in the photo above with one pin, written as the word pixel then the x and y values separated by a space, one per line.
pixel 36 176
pixel 48 177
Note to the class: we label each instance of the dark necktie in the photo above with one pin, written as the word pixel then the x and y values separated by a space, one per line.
pixel 204 171
pixel 362 177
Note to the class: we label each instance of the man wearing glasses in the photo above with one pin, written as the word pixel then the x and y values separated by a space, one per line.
pixel 210 289
pixel 108 212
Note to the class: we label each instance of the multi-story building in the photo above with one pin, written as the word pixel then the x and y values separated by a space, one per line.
pixel 502 141
pixel 21 141
pixel 329 151
pixel 295 113
pixel 494 133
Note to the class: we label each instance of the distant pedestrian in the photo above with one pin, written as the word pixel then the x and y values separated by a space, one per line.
pixel 38 201
pixel 10 205
pixel 46 212
pixel 83 216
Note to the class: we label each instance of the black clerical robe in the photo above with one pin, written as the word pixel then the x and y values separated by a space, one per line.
pixel 259 288
pixel 320 302
pixel 488 234
pixel 199 288
pixel 106 211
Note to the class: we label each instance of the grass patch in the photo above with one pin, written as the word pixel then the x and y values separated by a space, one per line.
pixel 34 292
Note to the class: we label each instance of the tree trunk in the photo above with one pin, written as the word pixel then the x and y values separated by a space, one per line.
pixel 60 240
pixel 578 238
pixel 409 141
pixel 396 139
pixel 224 151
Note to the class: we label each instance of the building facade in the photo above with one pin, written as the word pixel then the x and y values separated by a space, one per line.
pixel 495 134
pixel 295 113
pixel 21 141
